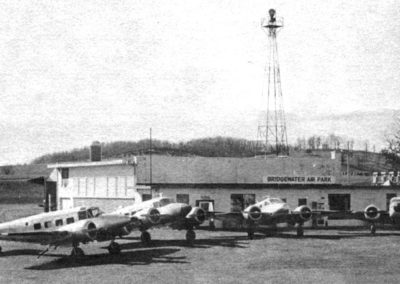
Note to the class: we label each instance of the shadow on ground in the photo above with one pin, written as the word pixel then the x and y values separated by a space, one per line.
pixel 142 257
pixel 367 234
pixel 233 242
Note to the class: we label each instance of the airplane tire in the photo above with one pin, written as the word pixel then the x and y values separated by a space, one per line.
pixel 0 250
pixel 250 235
pixel 190 236
pixel 77 252
pixel 114 248
pixel 145 237
pixel 300 231
pixel 372 229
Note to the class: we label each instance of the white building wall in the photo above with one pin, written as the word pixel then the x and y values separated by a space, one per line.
pixel 108 186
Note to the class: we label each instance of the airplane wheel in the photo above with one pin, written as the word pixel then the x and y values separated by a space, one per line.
pixel 114 248
pixel 145 237
pixel 372 229
pixel 300 231
pixel 77 252
pixel 190 236
pixel 0 250
pixel 250 235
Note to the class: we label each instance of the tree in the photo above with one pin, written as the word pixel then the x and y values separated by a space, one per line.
pixel 393 141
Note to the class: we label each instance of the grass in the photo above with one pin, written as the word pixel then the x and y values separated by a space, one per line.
pixel 326 256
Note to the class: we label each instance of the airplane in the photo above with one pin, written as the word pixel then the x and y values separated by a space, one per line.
pixel 270 212
pixel 180 216
pixel 374 215
pixel 72 227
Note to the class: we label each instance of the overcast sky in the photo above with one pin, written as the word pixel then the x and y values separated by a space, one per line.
pixel 76 71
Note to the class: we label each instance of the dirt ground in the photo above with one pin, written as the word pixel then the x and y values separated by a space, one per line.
pixel 326 256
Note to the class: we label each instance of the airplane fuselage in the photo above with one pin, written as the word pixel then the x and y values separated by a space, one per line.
pixel 49 221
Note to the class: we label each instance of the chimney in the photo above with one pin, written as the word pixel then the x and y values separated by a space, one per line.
pixel 95 151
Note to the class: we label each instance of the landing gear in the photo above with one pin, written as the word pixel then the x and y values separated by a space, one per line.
pixel 145 237
pixel 190 236
pixel 372 229
pixel 77 252
pixel 0 250
pixel 300 230
pixel 250 235
pixel 114 248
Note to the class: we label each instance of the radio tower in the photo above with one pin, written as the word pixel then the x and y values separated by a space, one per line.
pixel 272 134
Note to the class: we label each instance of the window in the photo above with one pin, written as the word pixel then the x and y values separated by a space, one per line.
pixel 65 173
pixel 82 215
pixel 37 226
pixel 146 197
pixel 314 205
pixel 302 201
pixel 70 220
pixel 64 177
pixel 388 197
pixel 340 202
pixel 47 224
pixel 165 201
pixel 94 212
pixel 182 198
pixel 206 205
pixel 59 222
pixel 241 201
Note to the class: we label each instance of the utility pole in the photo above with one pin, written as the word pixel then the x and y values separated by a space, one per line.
pixel 348 165
pixel 151 165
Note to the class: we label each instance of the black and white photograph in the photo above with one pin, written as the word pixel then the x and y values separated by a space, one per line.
pixel 199 141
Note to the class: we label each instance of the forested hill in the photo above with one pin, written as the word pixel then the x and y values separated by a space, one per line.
pixel 207 147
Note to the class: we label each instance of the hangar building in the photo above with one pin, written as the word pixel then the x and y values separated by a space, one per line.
pixel 222 184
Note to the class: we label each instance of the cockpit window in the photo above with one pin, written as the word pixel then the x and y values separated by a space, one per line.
pixel 165 201
pixel 93 212
pixel 275 200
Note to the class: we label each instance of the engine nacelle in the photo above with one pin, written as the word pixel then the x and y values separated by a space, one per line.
pixel 372 213
pixel 82 231
pixel 149 215
pixel 304 213
pixel 198 214
pixel 253 213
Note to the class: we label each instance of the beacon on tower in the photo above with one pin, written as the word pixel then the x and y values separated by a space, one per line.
pixel 272 136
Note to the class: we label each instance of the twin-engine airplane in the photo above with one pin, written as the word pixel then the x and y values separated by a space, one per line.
pixel 270 212
pixel 374 215
pixel 73 227
pixel 165 211
pixel 82 225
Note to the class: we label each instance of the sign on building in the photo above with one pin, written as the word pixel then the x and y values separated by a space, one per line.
pixel 299 179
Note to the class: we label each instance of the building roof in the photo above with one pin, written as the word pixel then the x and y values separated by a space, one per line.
pixel 131 161
pixel 221 170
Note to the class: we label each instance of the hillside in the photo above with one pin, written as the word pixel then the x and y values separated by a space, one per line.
pixel 27 141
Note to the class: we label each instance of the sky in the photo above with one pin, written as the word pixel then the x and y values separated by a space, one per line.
pixel 72 72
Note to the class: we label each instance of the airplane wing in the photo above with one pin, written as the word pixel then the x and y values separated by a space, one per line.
pixel 379 216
